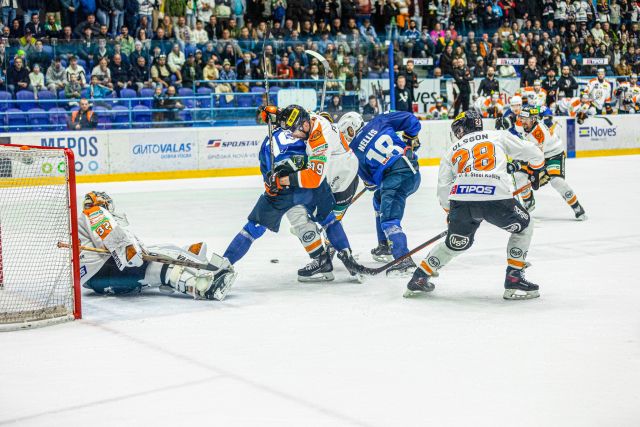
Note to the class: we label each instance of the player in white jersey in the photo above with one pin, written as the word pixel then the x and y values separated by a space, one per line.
pixel 490 106
pixel 123 270
pixel 600 91
pixel 579 108
pixel 628 93
pixel 535 94
pixel 553 149
pixel 474 185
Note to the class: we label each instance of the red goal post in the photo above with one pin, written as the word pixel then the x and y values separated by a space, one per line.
pixel 39 282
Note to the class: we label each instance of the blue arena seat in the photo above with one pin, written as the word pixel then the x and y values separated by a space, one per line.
pixel 142 116
pixel 16 120
pixel 26 100
pixel 46 100
pixel 120 115
pixel 58 118
pixel 39 118
pixel 5 100
pixel 146 92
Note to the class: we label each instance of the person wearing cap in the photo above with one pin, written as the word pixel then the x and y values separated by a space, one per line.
pixel 479 70
pixel 55 77
pixel 227 73
pixel 160 73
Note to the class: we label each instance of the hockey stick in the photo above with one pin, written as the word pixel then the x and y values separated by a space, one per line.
pixel 266 88
pixel 151 257
pixel 325 66
pixel 374 271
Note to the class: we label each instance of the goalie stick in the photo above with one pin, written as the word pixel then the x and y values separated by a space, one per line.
pixel 325 67
pixel 374 271
pixel 152 257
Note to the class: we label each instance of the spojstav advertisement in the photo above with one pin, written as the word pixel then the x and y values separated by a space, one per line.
pixel 222 148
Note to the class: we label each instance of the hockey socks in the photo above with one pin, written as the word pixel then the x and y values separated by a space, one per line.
pixel 561 186
pixel 335 233
pixel 240 244
pixel 393 232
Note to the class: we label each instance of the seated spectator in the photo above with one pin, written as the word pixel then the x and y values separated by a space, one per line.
pixel 52 28
pixel 73 90
pixel 162 41
pixel 138 51
pixel 39 56
pixel 74 69
pixel 335 108
pixel 183 32
pixel 210 73
pixel 246 70
pixel 120 74
pixel 227 73
pixel 117 50
pixel 90 23
pixel 16 31
pixel 140 76
pixel 66 43
pixel 28 40
pixel 17 76
pixel 160 73
pixel 98 90
pixel 168 105
pixel 480 68
pixel 35 27
pixel 144 39
pixel 56 77
pixel 175 61
pixel 200 36
pixel 101 51
pixel 84 118
pixel 102 73
pixel 36 80
pixel 371 109
pixel 209 51
pixel 191 73
pixel 126 41
pixel 284 70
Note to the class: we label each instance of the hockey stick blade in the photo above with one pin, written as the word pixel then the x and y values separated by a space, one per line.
pixel 374 271
pixel 151 257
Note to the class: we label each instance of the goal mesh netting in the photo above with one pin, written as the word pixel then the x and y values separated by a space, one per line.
pixel 39 283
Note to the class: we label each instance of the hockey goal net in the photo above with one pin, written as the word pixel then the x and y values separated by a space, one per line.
pixel 39 281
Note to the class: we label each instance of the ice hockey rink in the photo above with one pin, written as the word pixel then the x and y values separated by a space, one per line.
pixel 280 353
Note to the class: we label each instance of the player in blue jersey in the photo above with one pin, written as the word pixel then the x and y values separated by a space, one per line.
pixel 388 164
pixel 290 158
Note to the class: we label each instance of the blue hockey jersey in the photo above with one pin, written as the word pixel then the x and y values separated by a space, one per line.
pixel 377 145
pixel 284 146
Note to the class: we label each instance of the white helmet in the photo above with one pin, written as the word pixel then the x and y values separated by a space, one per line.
pixel 350 124
pixel 515 100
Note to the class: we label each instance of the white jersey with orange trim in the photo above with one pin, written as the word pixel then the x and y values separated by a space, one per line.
pixel 486 106
pixel 600 92
pixel 549 143
pixel 329 157
pixel 629 96
pixel 436 113
pixel 534 98
pixel 475 167
pixel 99 228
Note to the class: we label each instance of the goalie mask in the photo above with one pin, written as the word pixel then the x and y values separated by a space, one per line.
pixel 529 117
pixel 97 198
pixel 350 124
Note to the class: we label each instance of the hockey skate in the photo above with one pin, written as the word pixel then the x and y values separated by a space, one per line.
pixel 529 204
pixel 578 210
pixel 517 287
pixel 419 284
pixel 222 282
pixel 356 270
pixel 382 252
pixel 318 270
pixel 402 269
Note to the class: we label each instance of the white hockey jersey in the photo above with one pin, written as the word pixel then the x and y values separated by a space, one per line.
pixel 549 143
pixel 475 167
pixel 99 228
pixel 600 92
pixel 329 157
pixel 534 98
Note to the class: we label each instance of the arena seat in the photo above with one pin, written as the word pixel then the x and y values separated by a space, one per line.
pixel 49 99
pixel 5 100
pixel 39 118
pixel 27 100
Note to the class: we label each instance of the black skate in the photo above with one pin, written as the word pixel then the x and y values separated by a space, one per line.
pixel 382 252
pixel 318 270
pixel 356 270
pixel 529 204
pixel 402 269
pixel 418 284
pixel 517 287
pixel 578 210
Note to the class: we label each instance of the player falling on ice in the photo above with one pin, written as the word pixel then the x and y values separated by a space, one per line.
pixel 291 183
pixel 474 185
pixel 388 164
pixel 122 269
pixel 551 145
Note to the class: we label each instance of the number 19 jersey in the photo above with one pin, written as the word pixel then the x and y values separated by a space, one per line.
pixel 475 167
pixel 377 145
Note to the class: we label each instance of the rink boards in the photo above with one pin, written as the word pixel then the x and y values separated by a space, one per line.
pixel 123 155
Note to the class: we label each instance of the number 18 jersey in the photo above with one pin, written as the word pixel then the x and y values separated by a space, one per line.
pixel 377 145
pixel 475 167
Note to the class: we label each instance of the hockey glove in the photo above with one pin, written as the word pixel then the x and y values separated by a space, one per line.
pixel 538 178
pixel 514 166
pixel 411 141
pixel 269 114
pixel 273 183
pixel 290 165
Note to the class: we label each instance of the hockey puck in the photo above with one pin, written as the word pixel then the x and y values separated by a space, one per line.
pixel 275 261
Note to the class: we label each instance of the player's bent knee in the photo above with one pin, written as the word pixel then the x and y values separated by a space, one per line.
pixel 459 242
pixel 254 230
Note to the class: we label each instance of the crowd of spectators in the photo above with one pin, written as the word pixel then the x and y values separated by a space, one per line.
pixel 104 46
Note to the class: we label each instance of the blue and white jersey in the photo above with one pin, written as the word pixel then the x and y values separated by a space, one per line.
pixel 377 145
pixel 284 146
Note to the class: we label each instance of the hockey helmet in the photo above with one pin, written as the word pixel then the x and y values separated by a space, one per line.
pixel 529 117
pixel 326 115
pixel 466 122
pixel 293 117
pixel 350 124
pixel 439 100
pixel 633 78
pixel 600 74
pixel 495 96
pixel 97 198
pixel 537 84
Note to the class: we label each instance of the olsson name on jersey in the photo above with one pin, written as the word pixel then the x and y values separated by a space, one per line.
pixel 488 190
pixel 478 137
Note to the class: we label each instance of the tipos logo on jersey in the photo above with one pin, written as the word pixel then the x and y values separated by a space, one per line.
pixel 214 143
pixel 485 190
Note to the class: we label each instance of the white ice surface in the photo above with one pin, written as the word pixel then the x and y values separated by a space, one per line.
pixel 281 353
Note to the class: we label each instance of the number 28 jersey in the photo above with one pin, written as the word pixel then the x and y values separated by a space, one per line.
pixel 377 145
pixel 475 167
